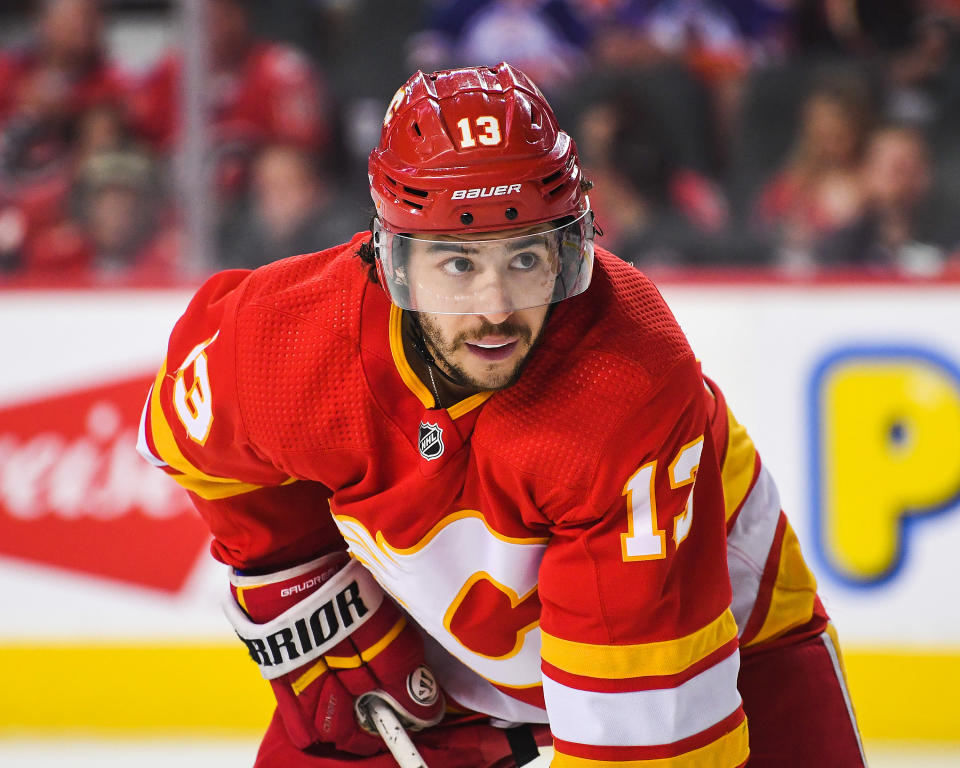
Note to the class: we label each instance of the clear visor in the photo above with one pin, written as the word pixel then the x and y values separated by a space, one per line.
pixel 443 274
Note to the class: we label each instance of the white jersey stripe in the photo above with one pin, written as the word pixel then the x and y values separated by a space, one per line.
pixel 748 545
pixel 831 649
pixel 475 692
pixel 644 718
pixel 143 447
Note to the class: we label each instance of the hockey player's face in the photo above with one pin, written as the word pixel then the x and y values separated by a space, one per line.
pixel 495 273
pixel 486 276
pixel 484 351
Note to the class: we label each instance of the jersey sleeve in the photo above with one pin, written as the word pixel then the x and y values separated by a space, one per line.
pixel 639 645
pixel 192 429
pixel 774 592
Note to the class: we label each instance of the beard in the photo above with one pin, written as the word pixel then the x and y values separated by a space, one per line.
pixel 443 351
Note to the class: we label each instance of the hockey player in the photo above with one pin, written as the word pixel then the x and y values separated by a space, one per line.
pixel 468 465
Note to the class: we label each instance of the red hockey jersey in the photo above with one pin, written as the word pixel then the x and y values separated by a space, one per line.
pixel 562 543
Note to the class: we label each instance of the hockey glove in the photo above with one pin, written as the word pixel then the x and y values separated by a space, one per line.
pixel 326 636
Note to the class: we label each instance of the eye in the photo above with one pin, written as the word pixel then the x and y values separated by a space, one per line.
pixel 457 266
pixel 525 261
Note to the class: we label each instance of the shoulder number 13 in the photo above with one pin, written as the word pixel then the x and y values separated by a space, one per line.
pixel 643 539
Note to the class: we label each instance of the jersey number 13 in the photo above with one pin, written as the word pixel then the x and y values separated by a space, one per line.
pixel 644 539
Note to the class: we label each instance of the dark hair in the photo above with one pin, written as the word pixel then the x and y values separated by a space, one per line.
pixel 368 256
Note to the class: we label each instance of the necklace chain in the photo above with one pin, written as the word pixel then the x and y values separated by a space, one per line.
pixel 433 386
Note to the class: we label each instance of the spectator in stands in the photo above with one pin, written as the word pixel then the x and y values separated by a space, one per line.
pixel 259 92
pixel 717 41
pixel 289 211
pixel 118 231
pixel 547 39
pixel 903 227
pixel 62 70
pixel 652 209
pixel 47 86
pixel 854 27
pixel 714 36
pixel 924 78
pixel 819 188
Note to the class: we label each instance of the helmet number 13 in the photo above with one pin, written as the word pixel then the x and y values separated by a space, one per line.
pixel 488 132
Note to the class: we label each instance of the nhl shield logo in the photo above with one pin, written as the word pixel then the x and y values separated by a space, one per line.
pixel 430 441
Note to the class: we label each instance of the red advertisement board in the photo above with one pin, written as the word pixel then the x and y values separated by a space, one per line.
pixel 74 494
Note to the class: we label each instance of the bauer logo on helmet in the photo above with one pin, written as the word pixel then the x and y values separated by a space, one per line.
pixel 471 194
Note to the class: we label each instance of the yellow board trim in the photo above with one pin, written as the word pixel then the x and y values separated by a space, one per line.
pixel 738 465
pixel 209 487
pixel 729 750
pixel 130 690
pixel 612 662
pixel 904 695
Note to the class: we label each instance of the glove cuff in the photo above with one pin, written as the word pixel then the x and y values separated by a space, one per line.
pixel 265 596
pixel 314 625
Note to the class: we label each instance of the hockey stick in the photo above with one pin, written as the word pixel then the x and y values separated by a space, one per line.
pixel 392 732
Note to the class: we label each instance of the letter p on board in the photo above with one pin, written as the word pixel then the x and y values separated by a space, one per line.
pixel 886 451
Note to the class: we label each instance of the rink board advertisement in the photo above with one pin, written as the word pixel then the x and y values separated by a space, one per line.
pixel 111 602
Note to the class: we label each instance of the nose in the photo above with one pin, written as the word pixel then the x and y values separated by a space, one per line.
pixel 494 301
pixel 495 318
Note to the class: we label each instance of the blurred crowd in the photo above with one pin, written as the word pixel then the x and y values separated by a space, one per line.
pixel 804 136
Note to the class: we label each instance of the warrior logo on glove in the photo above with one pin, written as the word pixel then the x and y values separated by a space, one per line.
pixel 422 686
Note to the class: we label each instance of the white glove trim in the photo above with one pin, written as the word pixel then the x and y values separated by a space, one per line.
pixel 313 626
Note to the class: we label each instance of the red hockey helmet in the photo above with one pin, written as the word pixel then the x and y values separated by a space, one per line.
pixel 478 150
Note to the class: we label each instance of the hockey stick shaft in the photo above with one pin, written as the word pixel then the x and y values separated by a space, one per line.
pixel 393 734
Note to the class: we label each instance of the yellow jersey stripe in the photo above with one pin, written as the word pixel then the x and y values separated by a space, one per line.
pixel 738 465
pixel 614 662
pixel 448 520
pixel 794 591
pixel 400 360
pixel 468 404
pixel 221 489
pixel 206 486
pixel 412 380
pixel 729 750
